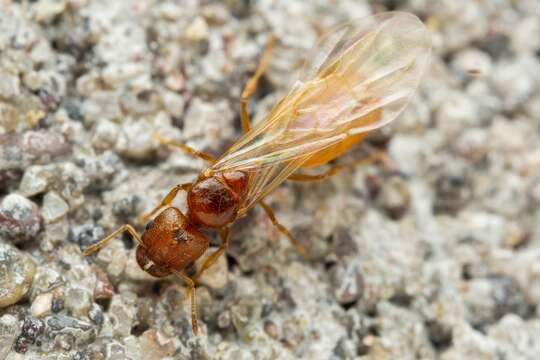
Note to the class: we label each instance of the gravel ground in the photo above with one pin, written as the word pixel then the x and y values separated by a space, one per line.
pixel 435 255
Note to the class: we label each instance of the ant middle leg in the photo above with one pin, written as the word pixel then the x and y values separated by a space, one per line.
pixel 224 234
pixel 185 148
pixel 126 227
pixel 282 229
pixel 251 84
pixel 166 201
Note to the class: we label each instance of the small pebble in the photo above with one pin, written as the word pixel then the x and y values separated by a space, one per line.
pixel 32 328
pixel 16 274
pixel 78 302
pixel 271 329
pixel 348 282
pixel 35 181
pixel 216 276
pixel 122 312
pixel 54 207
pixel 86 234
pixel 57 304
pixel 45 11
pixel 394 197
pixel 44 145
pixel 96 314
pixel 104 288
pixel 9 328
pixel 155 345
pixel 105 135
pixel 69 330
pixel 42 305
pixel 20 218
pixel 197 30
pixel 79 355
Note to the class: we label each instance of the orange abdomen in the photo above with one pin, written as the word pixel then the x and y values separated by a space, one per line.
pixel 332 152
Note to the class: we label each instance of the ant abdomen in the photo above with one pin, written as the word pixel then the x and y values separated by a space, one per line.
pixel 214 201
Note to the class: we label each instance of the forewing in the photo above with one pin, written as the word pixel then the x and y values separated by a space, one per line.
pixel 364 68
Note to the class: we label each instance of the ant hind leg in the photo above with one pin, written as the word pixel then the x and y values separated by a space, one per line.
pixel 282 229
pixel 251 84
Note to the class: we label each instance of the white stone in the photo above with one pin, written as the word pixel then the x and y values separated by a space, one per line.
pixel 197 30
pixel 54 207
pixel 41 305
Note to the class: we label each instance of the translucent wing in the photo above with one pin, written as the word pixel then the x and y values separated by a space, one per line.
pixel 361 77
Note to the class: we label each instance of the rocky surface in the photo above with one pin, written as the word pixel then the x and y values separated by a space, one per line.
pixel 433 255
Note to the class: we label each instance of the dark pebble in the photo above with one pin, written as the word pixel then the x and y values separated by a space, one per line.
pixel 343 243
pixel 126 207
pixel 79 355
pixel 57 305
pixel 31 330
pixel 452 192
pixel 32 327
pixel 96 314
pixel 509 298
pixel 21 345
pixel 59 322
pixel 86 234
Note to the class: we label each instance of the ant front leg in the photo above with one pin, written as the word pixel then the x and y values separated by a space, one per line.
pixel 251 84
pixel 126 227
pixel 190 292
pixel 166 201
pixel 190 282
pixel 210 260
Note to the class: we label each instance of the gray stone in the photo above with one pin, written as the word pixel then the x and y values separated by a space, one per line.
pixel 20 218
pixel 69 330
pixel 78 302
pixel 54 207
pixel 9 328
pixel 34 181
pixel 16 274
pixel 123 314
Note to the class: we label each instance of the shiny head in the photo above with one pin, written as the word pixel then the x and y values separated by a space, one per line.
pixel 170 243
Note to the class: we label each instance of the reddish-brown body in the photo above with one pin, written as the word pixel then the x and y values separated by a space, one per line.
pixel 173 241
pixel 363 80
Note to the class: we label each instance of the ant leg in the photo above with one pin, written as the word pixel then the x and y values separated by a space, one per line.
pixel 374 157
pixel 282 229
pixel 166 201
pixel 126 227
pixel 186 149
pixel 190 292
pixel 210 260
pixel 251 84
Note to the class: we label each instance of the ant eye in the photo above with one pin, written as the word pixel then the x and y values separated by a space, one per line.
pixel 180 235
pixel 149 225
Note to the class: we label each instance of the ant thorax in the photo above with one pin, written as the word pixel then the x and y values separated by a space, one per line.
pixel 214 201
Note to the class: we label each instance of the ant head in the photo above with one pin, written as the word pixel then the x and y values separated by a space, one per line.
pixel 170 242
